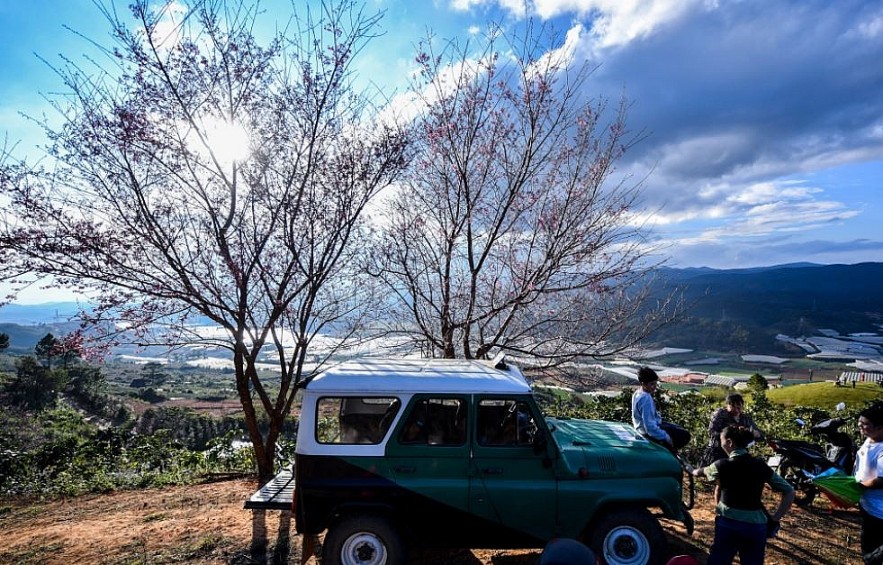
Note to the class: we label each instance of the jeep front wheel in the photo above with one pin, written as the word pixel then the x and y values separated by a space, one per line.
pixel 362 540
pixel 629 537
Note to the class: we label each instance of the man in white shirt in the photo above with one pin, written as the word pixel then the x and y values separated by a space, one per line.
pixel 869 474
pixel 647 420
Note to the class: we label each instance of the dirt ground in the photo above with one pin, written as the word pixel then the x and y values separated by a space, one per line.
pixel 207 524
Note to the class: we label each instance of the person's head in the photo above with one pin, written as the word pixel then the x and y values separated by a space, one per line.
pixel 735 404
pixel 736 437
pixel 648 379
pixel 870 422
pixel 414 430
pixel 566 551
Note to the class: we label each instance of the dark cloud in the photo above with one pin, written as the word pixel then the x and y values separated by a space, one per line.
pixel 753 90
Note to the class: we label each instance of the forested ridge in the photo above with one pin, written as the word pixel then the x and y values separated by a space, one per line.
pixel 743 310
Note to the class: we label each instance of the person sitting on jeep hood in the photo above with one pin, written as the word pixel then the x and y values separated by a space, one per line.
pixel 647 420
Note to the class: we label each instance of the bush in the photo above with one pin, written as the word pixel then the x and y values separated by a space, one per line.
pixel 757 383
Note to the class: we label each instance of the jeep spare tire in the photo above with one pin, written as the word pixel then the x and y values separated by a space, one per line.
pixel 631 536
pixel 363 540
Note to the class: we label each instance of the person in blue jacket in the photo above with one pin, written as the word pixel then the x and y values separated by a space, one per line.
pixel 646 419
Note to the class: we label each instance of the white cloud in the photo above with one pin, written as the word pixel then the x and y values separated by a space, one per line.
pixel 613 22
pixel 563 56
pixel 167 32
pixel 765 192
pixel 759 209
pixel 871 28
pixel 517 8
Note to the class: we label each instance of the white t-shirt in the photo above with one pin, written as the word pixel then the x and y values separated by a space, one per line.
pixel 869 465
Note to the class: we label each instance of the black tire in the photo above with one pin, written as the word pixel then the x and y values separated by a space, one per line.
pixel 804 491
pixel 363 540
pixel 631 536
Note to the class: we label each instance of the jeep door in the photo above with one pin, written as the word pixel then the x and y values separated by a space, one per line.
pixel 428 455
pixel 511 483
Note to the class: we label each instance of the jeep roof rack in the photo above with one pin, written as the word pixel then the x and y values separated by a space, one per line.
pixel 419 375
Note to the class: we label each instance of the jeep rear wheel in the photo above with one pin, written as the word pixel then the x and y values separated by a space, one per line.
pixel 363 540
pixel 629 537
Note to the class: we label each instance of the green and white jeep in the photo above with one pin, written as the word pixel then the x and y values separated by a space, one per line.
pixel 450 453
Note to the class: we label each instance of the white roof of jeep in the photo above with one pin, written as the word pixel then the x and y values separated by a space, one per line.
pixel 418 375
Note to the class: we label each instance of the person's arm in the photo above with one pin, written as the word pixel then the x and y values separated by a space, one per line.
pixel 717 424
pixel 649 420
pixel 872 483
pixel 758 434
pixel 709 472
pixel 786 495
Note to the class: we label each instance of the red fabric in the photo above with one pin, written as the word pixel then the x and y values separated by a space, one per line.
pixel 683 560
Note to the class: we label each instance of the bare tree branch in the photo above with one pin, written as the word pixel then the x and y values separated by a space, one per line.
pixel 145 206
pixel 511 231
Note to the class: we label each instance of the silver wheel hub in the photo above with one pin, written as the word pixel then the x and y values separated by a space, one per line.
pixel 626 546
pixel 363 548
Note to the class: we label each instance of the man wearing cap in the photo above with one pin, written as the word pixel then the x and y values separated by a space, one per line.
pixel 647 420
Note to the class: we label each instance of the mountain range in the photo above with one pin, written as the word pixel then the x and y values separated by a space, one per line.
pixel 744 309
pixel 736 310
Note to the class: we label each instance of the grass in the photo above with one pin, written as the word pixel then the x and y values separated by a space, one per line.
pixel 825 395
pixel 158 517
pixel 201 547
pixel 38 554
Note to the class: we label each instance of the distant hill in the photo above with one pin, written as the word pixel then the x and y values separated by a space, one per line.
pixel 26 324
pixel 46 313
pixel 744 309
pixel 23 339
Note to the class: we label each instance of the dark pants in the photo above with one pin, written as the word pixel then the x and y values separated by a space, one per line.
pixel 732 537
pixel 872 538
pixel 679 436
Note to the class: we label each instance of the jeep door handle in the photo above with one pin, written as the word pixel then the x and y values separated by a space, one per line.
pixel 405 469
pixel 492 470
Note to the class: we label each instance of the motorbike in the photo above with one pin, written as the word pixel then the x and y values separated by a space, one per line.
pixel 798 461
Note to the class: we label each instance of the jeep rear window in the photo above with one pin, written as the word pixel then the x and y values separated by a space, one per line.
pixel 354 420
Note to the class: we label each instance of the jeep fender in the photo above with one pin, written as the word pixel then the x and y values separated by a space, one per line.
pixel 352 508
pixel 614 504
pixel 314 523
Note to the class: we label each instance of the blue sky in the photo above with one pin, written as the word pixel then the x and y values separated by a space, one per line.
pixel 765 116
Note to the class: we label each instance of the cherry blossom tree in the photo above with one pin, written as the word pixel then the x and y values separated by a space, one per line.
pixel 147 199
pixel 511 230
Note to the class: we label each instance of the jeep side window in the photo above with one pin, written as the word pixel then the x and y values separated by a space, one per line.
pixel 353 420
pixel 435 421
pixel 505 423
